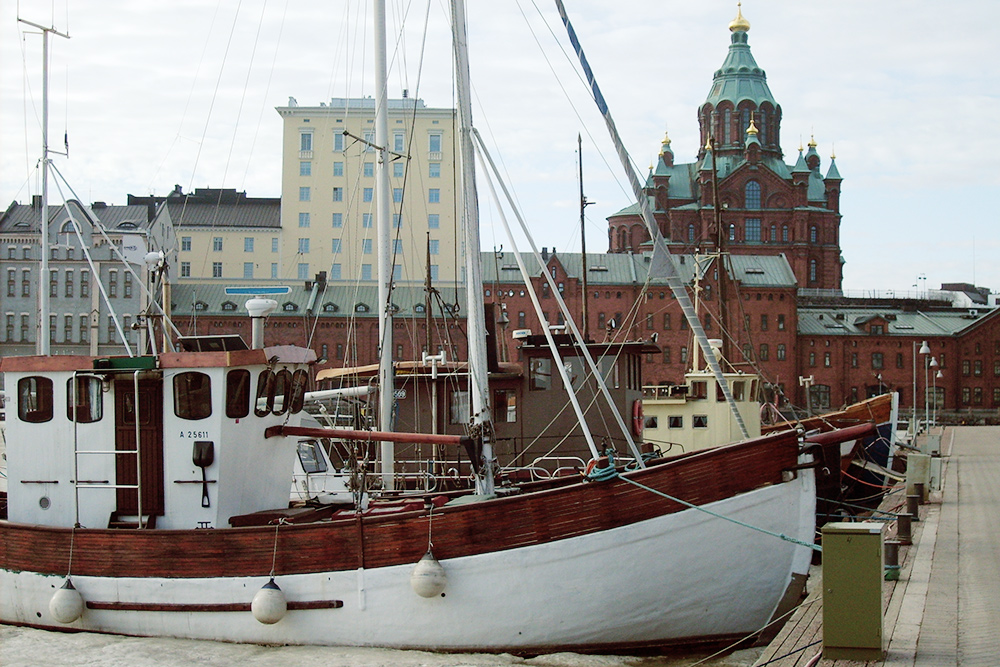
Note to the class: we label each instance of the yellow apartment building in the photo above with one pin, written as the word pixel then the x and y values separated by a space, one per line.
pixel 328 192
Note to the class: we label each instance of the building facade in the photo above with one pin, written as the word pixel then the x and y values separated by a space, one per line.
pixel 764 206
pixel 328 191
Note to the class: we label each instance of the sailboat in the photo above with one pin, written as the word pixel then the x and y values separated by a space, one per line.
pixel 149 496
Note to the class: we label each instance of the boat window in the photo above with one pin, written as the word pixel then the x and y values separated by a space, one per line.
pixel 539 374
pixel 576 370
pixel 675 421
pixel 238 393
pixel 738 390
pixel 84 403
pixel 265 394
pixel 753 389
pixel 699 421
pixel 192 395
pixel 300 380
pixel 720 396
pixel 650 422
pixel 282 391
pixel 34 399
pixel 505 406
pixel 311 457
pixel 699 389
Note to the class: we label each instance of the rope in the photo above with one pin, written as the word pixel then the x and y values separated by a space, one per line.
pixel 790 653
pixel 781 536
pixel 274 553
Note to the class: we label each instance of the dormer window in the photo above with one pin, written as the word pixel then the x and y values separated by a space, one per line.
pixel 330 308
pixel 876 329
pixel 289 307
pixel 361 308
pixel 200 306
pixel 228 306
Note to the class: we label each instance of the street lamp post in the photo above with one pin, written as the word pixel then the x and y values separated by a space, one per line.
pixel 935 376
pixel 926 351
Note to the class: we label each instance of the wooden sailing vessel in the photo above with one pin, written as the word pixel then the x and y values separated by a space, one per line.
pixel 149 496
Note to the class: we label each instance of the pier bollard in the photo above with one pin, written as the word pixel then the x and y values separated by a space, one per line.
pixel 913 505
pixel 904 533
pixel 920 491
pixel 892 560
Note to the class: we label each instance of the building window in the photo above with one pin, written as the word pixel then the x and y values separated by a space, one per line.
pixel 274 269
pixel 305 168
pixel 434 143
pixel 335 272
pixel 752 231
pixel 763 322
pixel 877 361
pixel 305 141
pixel 966 395
pixel 112 283
pixel 774 234
pixel 458 412
pixel 812 270
pixel 274 244
pixel 752 195
pixel 11 283
pixel 732 232
pixel 784 233
pixel 248 269
pixel 186 243
pixel 812 359
pixel 368 194
pixel 366 246
pixel 338 219
pixel 25 282
pixel 434 196
pixel 827 360
pixel 397 272
pixel 397 195
pixel 398 170
pixel 369 169
pixel 433 246
pixel 338 168
pixel 397 220
pixel 398 142
pixel 691 233
pixel 966 366
pixel 434 170
pixel 216 269
pixel 248 243
pixel 304 220
pixel 185 269
pixel 684 354
pixel 68 283
pixel 303 271
pixel 781 351
pixel 765 352
pixel 813 234
pixel 366 220
pixel 303 246
pixel 977 396
pixel 366 271
pixel 128 285
pixel 434 271
pixel 24 328
pixel 433 221
pixel 216 244
pixel 53 283
pixel 338 142
pixel 305 193
pixel 338 194
pixel 335 247
pixel 977 368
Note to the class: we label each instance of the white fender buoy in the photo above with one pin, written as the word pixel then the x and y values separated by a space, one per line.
pixel 428 578
pixel 67 604
pixel 268 605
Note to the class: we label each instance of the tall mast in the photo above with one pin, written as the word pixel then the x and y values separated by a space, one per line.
pixel 723 265
pixel 383 216
pixel 481 422
pixel 42 333
pixel 583 239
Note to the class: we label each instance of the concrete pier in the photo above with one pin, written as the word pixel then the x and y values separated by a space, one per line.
pixel 945 607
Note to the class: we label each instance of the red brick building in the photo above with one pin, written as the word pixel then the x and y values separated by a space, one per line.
pixel 765 206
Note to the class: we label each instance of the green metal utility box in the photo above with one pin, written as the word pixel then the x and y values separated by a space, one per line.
pixel 852 591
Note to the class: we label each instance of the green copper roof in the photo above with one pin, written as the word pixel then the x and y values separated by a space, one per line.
pixel 740 78
pixel 833 173
pixel 800 165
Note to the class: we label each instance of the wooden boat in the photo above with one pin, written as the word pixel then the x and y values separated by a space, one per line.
pixel 149 496
pixel 569 564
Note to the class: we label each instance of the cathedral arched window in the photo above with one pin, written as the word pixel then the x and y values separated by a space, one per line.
pixel 752 195
pixel 727 124
pixel 784 233
pixel 774 233
pixel 762 126
pixel 812 270
pixel 691 233
pixel 623 239
pixel 813 234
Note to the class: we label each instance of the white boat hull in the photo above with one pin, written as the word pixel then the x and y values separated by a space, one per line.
pixel 693 565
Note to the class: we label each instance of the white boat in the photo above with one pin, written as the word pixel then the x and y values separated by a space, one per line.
pixel 148 496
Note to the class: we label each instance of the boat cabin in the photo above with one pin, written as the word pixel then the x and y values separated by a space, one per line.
pixel 198 418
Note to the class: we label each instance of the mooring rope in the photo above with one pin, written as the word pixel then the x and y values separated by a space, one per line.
pixel 602 474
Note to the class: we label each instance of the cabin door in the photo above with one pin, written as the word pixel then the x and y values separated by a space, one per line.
pixel 150 411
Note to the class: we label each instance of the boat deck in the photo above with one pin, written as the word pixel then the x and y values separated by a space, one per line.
pixel 945 608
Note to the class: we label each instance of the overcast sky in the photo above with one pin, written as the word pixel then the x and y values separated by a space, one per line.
pixel 183 92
